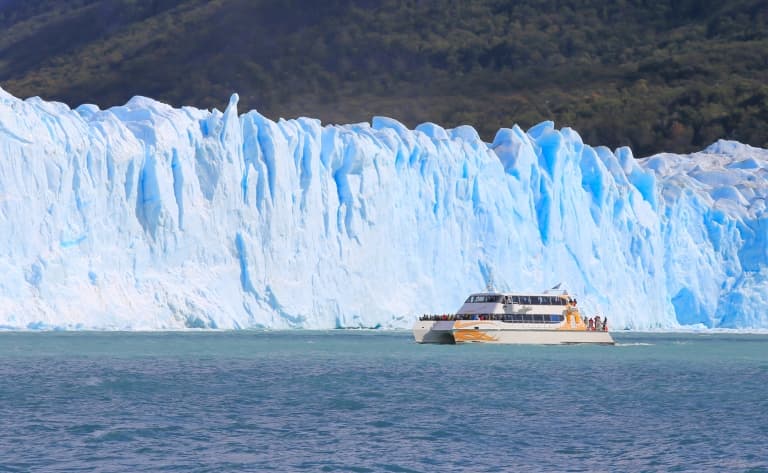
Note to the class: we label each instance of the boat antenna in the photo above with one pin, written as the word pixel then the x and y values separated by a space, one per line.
pixel 489 282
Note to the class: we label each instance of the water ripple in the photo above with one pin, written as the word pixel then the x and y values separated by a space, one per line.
pixel 377 402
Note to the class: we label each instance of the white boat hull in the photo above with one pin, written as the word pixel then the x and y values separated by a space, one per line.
pixel 449 331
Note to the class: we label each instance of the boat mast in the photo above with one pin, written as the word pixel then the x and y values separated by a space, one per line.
pixel 489 287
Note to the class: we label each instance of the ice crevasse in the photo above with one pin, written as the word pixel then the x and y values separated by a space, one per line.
pixel 145 216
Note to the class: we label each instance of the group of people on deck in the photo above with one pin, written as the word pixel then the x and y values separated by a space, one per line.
pixel 596 324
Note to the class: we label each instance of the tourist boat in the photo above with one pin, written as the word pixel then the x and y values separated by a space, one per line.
pixel 548 318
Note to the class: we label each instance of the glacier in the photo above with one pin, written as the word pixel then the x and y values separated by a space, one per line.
pixel 147 217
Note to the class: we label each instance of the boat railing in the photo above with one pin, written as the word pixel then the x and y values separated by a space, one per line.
pixel 592 324
pixel 438 317
pixel 519 318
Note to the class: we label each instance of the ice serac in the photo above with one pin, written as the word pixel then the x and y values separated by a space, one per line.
pixel 148 217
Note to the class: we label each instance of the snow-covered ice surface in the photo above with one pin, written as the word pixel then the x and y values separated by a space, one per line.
pixel 148 217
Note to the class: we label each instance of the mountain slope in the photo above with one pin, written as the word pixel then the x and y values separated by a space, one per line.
pixel 669 75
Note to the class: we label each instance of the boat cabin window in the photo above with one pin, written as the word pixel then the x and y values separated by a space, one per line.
pixel 537 300
pixel 482 298
pixel 524 300
pixel 534 318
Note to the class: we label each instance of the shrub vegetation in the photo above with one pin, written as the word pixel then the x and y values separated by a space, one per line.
pixel 672 75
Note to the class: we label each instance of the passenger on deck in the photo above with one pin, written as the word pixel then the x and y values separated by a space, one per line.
pixel 591 325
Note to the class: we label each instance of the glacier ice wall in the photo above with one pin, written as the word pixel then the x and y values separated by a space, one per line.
pixel 148 217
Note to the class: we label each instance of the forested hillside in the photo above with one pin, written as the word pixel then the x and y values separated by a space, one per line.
pixel 656 75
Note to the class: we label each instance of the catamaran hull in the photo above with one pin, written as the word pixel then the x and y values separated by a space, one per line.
pixel 449 332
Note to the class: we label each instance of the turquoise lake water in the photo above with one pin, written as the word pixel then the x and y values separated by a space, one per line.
pixel 376 401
